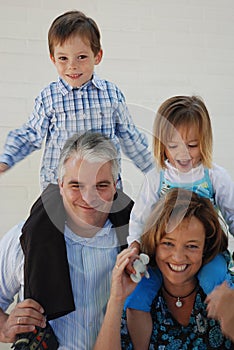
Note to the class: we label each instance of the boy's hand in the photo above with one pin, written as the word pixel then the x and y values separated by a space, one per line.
pixel 3 167
pixel 129 268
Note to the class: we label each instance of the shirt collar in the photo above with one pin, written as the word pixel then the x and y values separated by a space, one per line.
pixel 65 88
pixel 104 231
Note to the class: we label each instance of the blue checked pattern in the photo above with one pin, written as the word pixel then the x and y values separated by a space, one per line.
pixel 60 111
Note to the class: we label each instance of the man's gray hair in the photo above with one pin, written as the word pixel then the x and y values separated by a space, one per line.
pixel 90 146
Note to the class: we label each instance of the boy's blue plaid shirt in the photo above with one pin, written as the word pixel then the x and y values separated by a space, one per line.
pixel 60 111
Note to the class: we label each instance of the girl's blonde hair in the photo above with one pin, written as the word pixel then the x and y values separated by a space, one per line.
pixel 177 205
pixel 182 111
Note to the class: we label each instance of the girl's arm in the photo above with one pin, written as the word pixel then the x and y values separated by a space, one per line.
pixel 146 199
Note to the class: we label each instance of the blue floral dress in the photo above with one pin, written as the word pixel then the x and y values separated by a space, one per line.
pixel 201 333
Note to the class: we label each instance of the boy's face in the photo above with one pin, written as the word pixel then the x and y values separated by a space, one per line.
pixel 75 61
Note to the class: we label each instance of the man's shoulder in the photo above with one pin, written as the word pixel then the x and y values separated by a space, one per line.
pixel 11 238
pixel 121 209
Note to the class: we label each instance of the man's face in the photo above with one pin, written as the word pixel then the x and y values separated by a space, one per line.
pixel 88 190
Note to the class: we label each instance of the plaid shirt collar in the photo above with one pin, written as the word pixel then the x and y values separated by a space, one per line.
pixel 65 88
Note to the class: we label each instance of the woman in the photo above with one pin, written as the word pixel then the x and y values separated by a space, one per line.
pixel 183 234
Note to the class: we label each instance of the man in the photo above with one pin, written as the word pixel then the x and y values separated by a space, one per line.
pixel 60 260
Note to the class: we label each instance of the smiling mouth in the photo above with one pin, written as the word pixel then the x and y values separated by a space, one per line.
pixel 87 208
pixel 74 76
pixel 178 268
pixel 184 162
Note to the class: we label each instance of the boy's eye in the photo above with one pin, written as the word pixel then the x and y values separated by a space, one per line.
pixel 82 57
pixel 62 58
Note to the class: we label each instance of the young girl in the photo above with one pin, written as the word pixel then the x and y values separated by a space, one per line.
pixel 182 140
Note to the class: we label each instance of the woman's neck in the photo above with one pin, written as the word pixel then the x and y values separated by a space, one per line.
pixel 181 288
pixel 180 299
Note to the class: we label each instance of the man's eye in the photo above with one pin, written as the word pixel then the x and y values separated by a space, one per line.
pixel 75 187
pixel 101 187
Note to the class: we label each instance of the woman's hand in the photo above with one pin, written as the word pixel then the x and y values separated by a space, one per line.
pixel 23 318
pixel 122 285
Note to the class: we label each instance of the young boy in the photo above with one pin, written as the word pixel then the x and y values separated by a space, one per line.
pixel 77 102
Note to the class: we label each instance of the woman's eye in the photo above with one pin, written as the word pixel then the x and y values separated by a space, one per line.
pixel 192 246
pixel 167 244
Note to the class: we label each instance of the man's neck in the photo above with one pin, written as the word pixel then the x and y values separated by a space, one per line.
pixel 88 231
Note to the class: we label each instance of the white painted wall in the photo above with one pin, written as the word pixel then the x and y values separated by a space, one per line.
pixel 153 49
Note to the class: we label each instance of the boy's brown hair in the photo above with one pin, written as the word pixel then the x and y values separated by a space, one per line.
pixel 74 23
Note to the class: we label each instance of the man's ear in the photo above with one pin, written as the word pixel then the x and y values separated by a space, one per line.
pixel 60 183
pixel 98 57
pixel 52 58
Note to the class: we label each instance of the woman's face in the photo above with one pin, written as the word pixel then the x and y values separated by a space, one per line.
pixel 179 253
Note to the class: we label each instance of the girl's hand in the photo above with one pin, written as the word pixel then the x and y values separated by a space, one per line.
pixel 129 268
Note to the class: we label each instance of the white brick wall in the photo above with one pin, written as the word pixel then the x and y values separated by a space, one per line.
pixel 152 49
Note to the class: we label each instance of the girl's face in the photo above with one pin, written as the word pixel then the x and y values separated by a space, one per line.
pixel 179 253
pixel 183 150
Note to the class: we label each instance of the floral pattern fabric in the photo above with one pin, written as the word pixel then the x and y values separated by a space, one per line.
pixel 201 333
